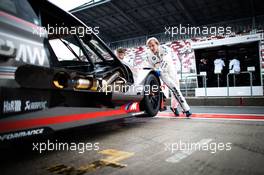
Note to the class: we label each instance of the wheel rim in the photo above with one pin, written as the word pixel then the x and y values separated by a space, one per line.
pixel 153 97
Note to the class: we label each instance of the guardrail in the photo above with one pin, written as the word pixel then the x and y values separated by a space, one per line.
pixel 245 72
pixel 204 83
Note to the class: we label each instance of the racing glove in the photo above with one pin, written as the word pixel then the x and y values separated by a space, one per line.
pixel 157 72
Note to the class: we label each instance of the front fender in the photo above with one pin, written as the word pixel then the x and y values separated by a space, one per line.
pixel 141 75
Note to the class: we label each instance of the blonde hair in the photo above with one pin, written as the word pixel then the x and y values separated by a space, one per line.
pixel 121 50
pixel 154 39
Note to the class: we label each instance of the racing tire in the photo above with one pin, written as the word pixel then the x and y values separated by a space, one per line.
pixel 151 101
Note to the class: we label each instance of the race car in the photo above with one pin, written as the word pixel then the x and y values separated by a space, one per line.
pixel 56 73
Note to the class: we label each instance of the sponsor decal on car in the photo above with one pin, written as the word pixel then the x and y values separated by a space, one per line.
pixel 10 136
pixel 132 107
pixel 12 106
pixel 35 105
pixel 31 53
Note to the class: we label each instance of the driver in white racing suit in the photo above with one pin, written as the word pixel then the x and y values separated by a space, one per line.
pixel 161 60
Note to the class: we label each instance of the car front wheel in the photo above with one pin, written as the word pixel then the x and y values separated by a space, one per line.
pixel 151 100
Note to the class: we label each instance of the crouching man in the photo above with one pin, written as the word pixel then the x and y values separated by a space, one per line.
pixel 161 60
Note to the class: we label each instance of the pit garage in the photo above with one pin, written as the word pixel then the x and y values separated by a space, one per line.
pixel 71 105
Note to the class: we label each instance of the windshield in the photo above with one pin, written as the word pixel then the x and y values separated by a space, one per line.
pixel 72 48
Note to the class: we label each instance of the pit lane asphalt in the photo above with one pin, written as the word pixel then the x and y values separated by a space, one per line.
pixel 141 146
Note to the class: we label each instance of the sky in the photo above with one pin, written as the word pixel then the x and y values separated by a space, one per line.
pixel 68 4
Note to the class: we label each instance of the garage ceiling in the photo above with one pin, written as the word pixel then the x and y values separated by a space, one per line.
pixel 123 19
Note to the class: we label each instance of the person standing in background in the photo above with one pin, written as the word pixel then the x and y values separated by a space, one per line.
pixel 203 67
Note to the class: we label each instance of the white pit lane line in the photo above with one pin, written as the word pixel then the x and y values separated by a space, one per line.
pixel 182 154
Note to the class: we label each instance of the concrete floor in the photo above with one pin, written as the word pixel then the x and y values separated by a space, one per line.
pixel 149 146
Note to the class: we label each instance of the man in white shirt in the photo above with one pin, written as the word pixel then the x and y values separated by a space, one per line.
pixel 121 55
pixel 160 59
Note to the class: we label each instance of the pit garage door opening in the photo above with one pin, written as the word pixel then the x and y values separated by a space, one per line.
pixel 246 53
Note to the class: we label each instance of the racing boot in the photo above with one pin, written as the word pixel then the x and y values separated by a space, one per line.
pixel 188 113
pixel 175 112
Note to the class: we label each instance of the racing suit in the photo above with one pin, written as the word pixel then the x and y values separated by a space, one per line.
pixel 162 62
